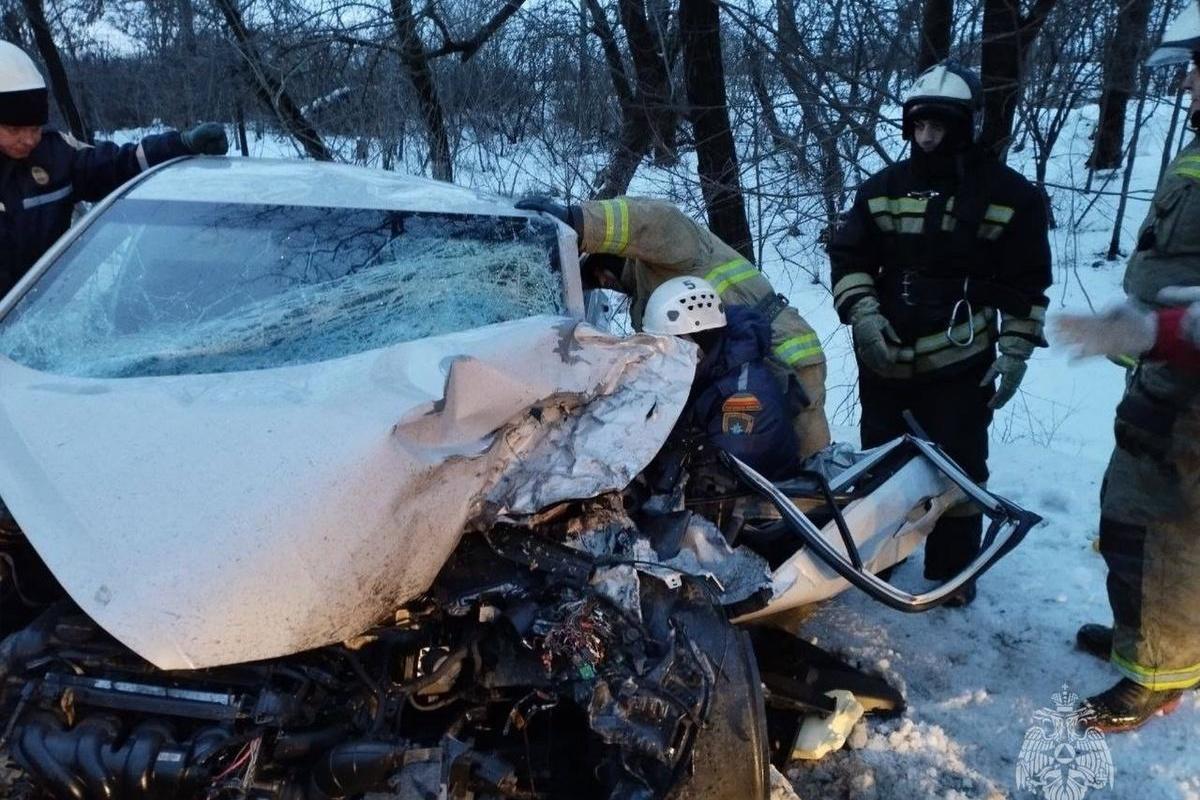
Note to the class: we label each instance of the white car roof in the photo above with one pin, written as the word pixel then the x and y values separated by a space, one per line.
pixel 311 183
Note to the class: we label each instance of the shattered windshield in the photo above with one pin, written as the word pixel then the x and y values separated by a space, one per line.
pixel 168 287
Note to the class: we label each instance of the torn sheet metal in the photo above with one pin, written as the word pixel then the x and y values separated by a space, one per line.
pixel 220 518
pixel 887 526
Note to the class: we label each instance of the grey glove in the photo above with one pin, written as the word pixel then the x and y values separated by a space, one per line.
pixel 571 215
pixel 207 139
pixel 1011 370
pixel 875 341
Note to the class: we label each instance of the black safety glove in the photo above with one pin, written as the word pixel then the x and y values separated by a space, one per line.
pixel 571 215
pixel 206 139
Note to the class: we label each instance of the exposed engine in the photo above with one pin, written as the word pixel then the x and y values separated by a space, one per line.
pixel 554 658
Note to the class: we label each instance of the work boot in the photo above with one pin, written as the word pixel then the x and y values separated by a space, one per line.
pixel 1128 706
pixel 1095 640
pixel 963 597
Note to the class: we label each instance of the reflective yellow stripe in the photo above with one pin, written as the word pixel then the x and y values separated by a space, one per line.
pixel 1124 362
pixel 1157 679
pixel 616 226
pixel 910 224
pixel 1188 172
pixel 948 223
pixel 855 280
pixel 897 205
pixel 792 350
pixel 886 224
pixel 1037 313
pixel 990 232
pixel 939 341
pixel 1000 214
pixel 1030 327
pixel 730 273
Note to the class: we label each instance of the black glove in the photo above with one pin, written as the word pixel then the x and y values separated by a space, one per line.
pixel 207 139
pixel 538 202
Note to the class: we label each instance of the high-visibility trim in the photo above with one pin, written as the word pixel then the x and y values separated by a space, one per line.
pixel 797 348
pixel 855 280
pixel 1124 361
pixel 896 206
pixel 1037 313
pixel 1188 172
pixel 910 224
pixel 616 226
pixel 730 273
pixel 940 341
pixel 948 223
pixel 1029 327
pixel 886 224
pixel 990 232
pixel 999 214
pixel 49 197
pixel 1156 679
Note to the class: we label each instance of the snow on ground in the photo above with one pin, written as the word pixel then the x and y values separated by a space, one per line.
pixel 973 678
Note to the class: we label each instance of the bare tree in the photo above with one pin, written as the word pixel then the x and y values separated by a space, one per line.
pixel 35 12
pixel 716 156
pixel 937 18
pixel 1125 51
pixel 1008 33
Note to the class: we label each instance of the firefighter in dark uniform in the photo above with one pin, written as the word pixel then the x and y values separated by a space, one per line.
pixel 1150 497
pixel 736 402
pixel 44 172
pixel 942 260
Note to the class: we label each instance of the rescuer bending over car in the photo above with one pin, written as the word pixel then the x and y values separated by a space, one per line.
pixel 652 242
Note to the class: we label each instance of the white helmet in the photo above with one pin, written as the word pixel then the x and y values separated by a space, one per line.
pixel 1181 38
pixel 947 91
pixel 23 98
pixel 683 305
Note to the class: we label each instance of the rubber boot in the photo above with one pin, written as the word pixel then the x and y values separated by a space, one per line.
pixel 1095 640
pixel 1128 706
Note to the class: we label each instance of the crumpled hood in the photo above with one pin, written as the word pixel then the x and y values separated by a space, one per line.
pixel 221 518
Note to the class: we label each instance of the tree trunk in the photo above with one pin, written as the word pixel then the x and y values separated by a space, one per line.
pixel 1007 35
pixel 937 18
pixel 652 74
pixel 716 156
pixel 420 75
pixel 1123 55
pixel 269 90
pixel 36 14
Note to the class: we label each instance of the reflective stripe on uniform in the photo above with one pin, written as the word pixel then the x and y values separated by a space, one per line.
pixel 730 273
pixel 49 197
pixel 855 280
pixel 1188 166
pixel 899 214
pixel 616 226
pixel 1026 327
pixel 940 341
pixel 1156 679
pixel 1001 215
pixel 797 348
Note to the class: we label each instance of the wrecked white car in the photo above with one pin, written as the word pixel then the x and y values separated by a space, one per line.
pixel 319 486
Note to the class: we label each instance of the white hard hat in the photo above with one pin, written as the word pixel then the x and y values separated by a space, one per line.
pixel 683 305
pixel 23 98
pixel 949 91
pixel 1181 38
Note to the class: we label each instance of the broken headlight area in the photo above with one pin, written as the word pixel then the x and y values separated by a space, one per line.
pixel 553 657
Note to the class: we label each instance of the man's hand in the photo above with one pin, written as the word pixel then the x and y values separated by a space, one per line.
pixel 1124 329
pixel 206 139
pixel 875 341
pixel 539 202
pixel 1011 370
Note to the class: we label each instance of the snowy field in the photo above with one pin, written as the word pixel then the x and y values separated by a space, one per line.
pixel 974 678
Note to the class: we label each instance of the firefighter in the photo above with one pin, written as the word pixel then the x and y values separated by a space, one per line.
pixel 942 259
pixel 634 245
pixel 736 402
pixel 44 172
pixel 1150 497
pixel 1129 329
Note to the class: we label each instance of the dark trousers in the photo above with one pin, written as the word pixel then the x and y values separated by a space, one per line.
pixel 954 413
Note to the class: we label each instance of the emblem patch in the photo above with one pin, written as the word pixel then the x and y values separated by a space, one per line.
pixel 743 402
pixel 40 176
pixel 737 424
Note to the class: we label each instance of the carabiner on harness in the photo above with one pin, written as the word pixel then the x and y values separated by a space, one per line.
pixel 970 320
